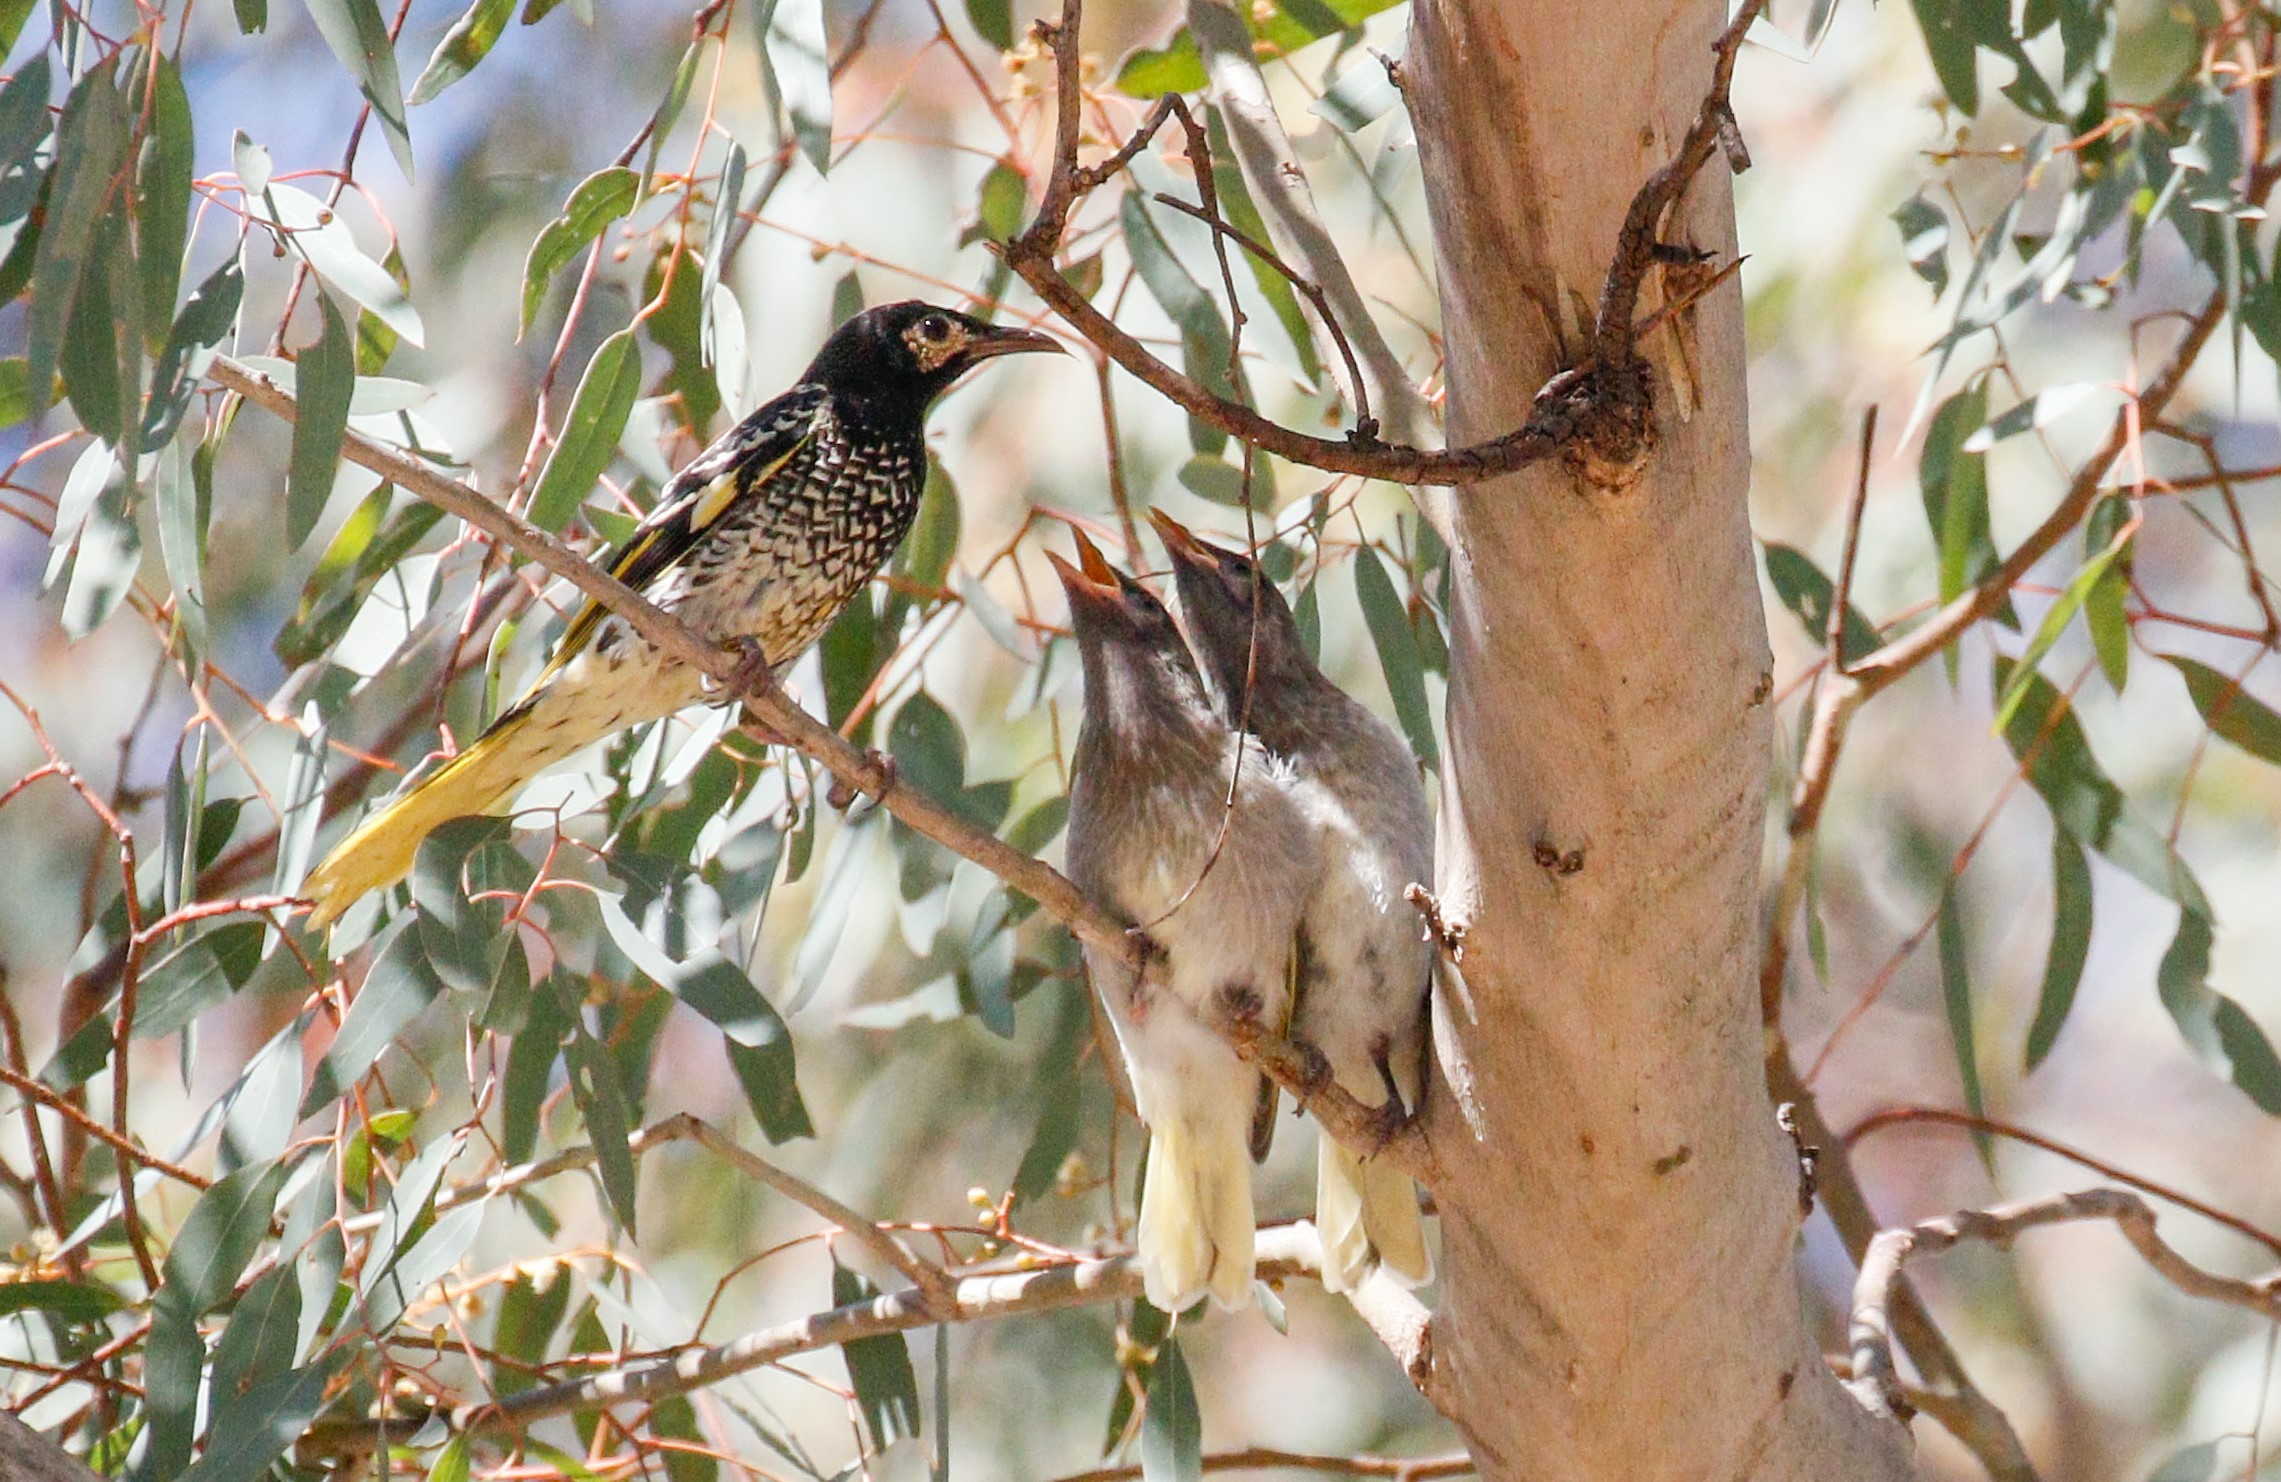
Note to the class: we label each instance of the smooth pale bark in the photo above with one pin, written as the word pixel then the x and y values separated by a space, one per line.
pixel 1619 1208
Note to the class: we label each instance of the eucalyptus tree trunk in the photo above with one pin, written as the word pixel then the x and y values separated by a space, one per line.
pixel 1619 1209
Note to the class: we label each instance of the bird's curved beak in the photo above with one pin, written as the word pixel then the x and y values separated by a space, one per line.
pixel 993 340
pixel 1179 542
pixel 1093 579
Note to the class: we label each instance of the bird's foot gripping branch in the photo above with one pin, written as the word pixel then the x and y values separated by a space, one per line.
pixel 1597 415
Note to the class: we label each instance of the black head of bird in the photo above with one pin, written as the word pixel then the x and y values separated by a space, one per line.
pixel 890 363
pixel 1244 633
pixel 1139 678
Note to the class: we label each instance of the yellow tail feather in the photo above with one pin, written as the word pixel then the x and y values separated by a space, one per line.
pixel 1367 1215
pixel 1196 1217
pixel 380 850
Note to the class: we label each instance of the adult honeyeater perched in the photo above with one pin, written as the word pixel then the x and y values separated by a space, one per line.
pixel 763 537
pixel 1217 887
pixel 1366 964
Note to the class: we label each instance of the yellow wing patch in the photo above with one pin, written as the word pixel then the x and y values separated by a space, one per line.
pixel 709 506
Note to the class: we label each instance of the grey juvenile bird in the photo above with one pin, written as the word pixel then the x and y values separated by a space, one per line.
pixel 1366 965
pixel 1217 889
pixel 763 537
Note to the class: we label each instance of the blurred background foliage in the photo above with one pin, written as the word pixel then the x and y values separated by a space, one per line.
pixel 587 242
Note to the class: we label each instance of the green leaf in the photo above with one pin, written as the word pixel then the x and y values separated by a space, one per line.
pixel 600 199
pixel 102 352
pixel 70 1302
pixel 601 1099
pixel 530 1067
pixel 182 539
pixel 2229 710
pixel 759 1044
pixel 932 545
pixel 250 1432
pixel 528 1315
pixel 223 1230
pixel 1172 1430
pixel 13 14
pixel 462 937
pixel 1203 333
pixel 451 1463
pixel 162 191
pixel 590 432
pixel 205 321
pixel 252 15
pixel 322 237
pixel 324 379
pixel 879 1367
pixel 2045 734
pixel 1243 214
pixel 195 975
pixel 1277 29
pixel 1954 56
pixel 1924 240
pixel 993 21
pixel 361 552
pixel 1054 1139
pixel 1807 593
pixel 468 42
pixel 358 35
pixel 1040 826
pixel 1398 656
pixel 90 156
pixel 2217 1027
pixel 1956 996
pixel 258 1344
pixel 1363 94
pixel 24 121
pixel 2070 945
pixel 725 202
pixel 796 68
pixel 2047 632
pixel 1954 483
pixel 396 991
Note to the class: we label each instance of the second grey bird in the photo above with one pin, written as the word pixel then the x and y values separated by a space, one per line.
pixel 1218 887
pixel 1366 964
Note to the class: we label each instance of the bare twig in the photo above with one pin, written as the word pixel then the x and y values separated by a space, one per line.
pixel 1267 1458
pixel 1874 1381
pixel 1283 1251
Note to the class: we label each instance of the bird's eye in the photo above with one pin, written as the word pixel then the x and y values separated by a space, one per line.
pixel 934 329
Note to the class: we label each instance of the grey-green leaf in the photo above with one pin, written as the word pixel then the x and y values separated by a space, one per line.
pixel 886 1386
pixel 2070 945
pixel 1398 655
pixel 600 199
pixel 1172 1431
pixel 325 378
pixel 468 42
pixel 590 432
pixel 358 35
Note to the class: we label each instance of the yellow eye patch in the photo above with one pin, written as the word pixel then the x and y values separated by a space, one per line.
pixel 933 351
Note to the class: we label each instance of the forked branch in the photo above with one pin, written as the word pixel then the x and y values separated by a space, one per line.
pixel 1600 406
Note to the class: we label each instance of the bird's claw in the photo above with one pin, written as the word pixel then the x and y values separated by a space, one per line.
pixel 1389 1122
pixel 880 768
pixel 753 671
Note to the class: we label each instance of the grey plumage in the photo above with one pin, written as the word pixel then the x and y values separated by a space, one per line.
pixel 1366 963
pixel 1218 888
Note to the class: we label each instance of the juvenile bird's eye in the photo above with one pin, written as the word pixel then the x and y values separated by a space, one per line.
pixel 934 329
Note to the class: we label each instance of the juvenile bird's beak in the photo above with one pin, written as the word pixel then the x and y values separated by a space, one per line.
pixel 993 340
pixel 1093 580
pixel 1179 543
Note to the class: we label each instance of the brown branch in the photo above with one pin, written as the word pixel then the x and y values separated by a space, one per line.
pixel 1874 1380
pixel 1284 1251
pixel 1904 1116
pixel 1267 1458
pixel 126 1147
pixel 1982 1425
pixel 1339 1112
pixel 1602 407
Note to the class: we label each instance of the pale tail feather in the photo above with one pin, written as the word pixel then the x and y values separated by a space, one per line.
pixel 380 850
pixel 1196 1219
pixel 1367 1215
